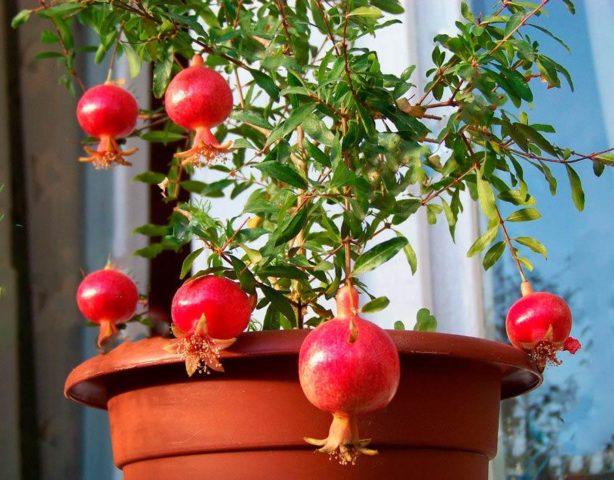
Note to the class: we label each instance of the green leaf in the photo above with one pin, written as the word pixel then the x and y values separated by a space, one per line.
pixel 133 60
pixel 162 73
pixel 537 138
pixel 151 230
pixel 390 6
pixel 370 12
pixel 378 255
pixel 526 263
pixel 399 325
pixel 425 321
pixel 375 305
pixel 150 251
pixel 570 6
pixel 283 173
pixel 607 158
pixel 533 244
pixel 518 84
pixel 577 193
pixel 266 83
pixel 186 267
pixel 162 136
pixel 486 196
pixel 61 10
pixel 297 117
pixel 524 215
pixel 280 302
pixel 51 54
pixel 513 23
pixel 283 271
pixel 21 18
pixel 493 254
pixel 253 118
pixel 410 254
pixel 484 240
pixel 151 178
pixel 466 12
pixel 296 224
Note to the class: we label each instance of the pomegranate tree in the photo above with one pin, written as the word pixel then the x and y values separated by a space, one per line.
pixel 348 366
pixel 198 99
pixel 540 323
pixel 208 313
pixel 107 297
pixel 107 112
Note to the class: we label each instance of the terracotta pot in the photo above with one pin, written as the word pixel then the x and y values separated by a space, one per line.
pixel 248 423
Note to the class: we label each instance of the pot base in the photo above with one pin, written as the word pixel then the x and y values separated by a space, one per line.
pixel 249 422
pixel 293 464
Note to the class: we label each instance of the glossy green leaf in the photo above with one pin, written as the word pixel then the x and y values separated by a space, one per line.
pixel 378 255
pixel 533 244
pixel 577 193
pixel 524 215
pixel 376 305
pixel 486 196
pixel 186 267
pixel 484 240
pixel 280 302
pixel 493 254
pixel 21 18
pixel 283 173
pixel 294 226
pixel 370 12
pixel 162 73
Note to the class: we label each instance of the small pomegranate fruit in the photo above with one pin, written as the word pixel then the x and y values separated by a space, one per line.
pixel 107 112
pixel 348 366
pixel 208 313
pixel 107 297
pixel 198 99
pixel 540 323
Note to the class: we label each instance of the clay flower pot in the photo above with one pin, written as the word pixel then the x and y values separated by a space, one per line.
pixel 249 422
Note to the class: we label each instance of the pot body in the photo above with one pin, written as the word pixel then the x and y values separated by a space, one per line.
pixel 249 422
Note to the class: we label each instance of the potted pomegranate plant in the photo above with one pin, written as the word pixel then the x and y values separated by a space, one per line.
pixel 331 155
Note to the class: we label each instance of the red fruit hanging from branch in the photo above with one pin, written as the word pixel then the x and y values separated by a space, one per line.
pixel 107 112
pixel 107 297
pixel 540 323
pixel 348 366
pixel 199 99
pixel 208 313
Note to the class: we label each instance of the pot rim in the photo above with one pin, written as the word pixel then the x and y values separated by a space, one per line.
pixel 87 383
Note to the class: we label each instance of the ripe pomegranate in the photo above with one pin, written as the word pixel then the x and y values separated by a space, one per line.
pixel 198 99
pixel 208 313
pixel 107 297
pixel 107 112
pixel 539 323
pixel 348 366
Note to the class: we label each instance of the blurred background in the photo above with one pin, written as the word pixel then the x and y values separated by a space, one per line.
pixel 62 218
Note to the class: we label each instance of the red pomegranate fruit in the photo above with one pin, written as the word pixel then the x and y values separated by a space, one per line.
pixel 107 297
pixel 348 366
pixel 199 99
pixel 107 112
pixel 540 323
pixel 208 313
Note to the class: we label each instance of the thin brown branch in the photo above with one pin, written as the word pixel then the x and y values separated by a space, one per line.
pixel 524 20
pixel 327 26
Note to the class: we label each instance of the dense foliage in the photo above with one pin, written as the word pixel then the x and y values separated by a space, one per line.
pixel 331 153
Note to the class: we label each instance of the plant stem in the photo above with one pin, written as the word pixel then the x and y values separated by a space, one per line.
pixel 114 53
pixel 511 248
